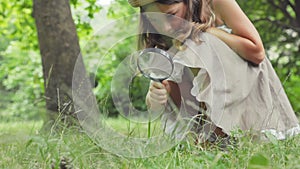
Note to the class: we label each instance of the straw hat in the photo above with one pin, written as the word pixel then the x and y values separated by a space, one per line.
pixel 138 3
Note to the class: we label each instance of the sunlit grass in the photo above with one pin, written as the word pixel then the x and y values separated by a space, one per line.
pixel 131 127
pixel 72 147
pixel 18 131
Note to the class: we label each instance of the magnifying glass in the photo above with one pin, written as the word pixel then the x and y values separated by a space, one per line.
pixel 155 64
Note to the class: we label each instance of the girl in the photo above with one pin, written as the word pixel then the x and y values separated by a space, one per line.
pixel 233 81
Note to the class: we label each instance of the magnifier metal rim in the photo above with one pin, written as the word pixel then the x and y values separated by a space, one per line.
pixel 155 50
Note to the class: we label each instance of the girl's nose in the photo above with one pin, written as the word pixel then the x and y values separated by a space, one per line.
pixel 167 27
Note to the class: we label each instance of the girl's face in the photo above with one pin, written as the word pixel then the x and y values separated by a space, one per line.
pixel 166 19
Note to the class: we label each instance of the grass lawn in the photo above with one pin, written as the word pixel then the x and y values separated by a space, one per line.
pixel 22 146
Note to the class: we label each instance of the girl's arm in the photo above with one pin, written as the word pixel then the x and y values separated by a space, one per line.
pixel 244 39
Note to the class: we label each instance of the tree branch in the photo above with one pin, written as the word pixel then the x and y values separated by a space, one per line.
pixel 291 5
pixel 283 10
pixel 297 11
pixel 279 24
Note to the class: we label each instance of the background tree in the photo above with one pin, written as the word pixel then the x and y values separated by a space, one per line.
pixel 60 50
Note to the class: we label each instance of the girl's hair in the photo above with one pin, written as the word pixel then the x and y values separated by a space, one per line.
pixel 199 13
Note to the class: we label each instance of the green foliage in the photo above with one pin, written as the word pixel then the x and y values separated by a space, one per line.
pixel 138 91
pixel 293 91
pixel 22 79
pixel 17 24
pixel 106 71
pixel 21 71
pixel 258 161
pixel 120 8
pixel 83 11
pixel 106 50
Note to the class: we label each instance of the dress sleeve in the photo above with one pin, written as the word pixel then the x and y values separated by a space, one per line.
pixel 177 73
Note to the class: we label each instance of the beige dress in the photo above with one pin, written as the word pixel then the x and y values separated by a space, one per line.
pixel 237 94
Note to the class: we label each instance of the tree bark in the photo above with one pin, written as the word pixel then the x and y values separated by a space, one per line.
pixel 297 11
pixel 59 48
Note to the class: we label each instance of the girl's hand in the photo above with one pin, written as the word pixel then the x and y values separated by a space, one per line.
pixel 157 95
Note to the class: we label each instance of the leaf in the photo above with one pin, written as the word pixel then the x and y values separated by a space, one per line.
pixel 259 161
pixel 271 138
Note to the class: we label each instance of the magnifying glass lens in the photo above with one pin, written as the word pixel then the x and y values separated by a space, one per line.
pixel 155 64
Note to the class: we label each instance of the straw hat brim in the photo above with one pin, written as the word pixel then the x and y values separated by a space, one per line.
pixel 138 3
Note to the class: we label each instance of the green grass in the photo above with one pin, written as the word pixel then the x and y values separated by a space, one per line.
pixel 22 146
pixel 132 128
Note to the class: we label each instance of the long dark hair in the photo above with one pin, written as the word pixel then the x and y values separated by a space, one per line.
pixel 199 13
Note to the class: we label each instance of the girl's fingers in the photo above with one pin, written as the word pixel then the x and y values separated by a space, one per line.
pixel 157 85
pixel 157 97
pixel 159 100
pixel 167 85
pixel 158 91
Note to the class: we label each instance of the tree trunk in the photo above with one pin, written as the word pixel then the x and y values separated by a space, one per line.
pixel 297 11
pixel 59 48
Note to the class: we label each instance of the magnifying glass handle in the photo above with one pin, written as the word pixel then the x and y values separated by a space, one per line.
pixel 161 80
pixel 158 80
